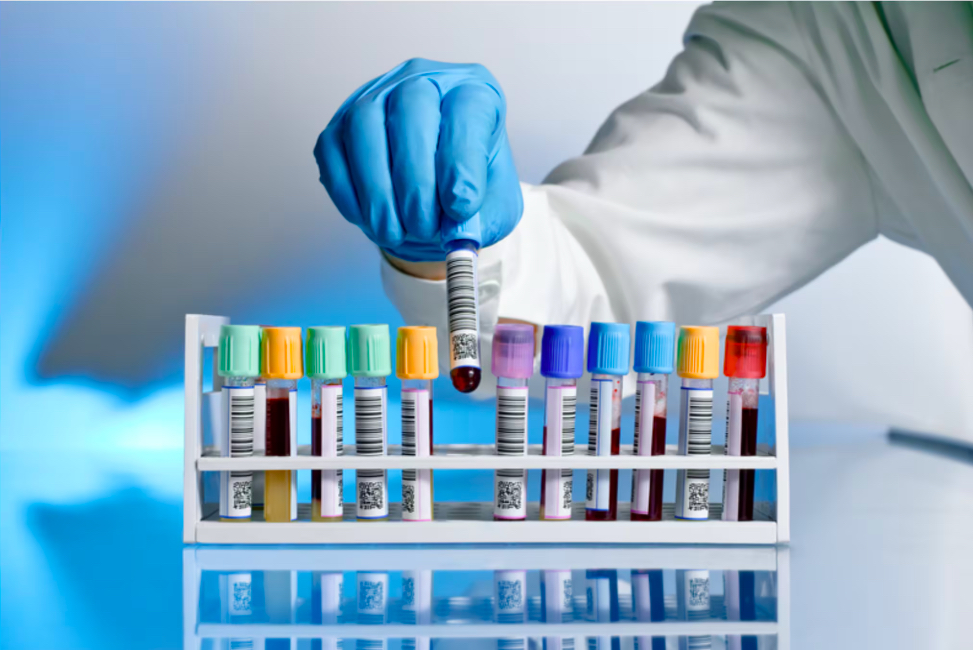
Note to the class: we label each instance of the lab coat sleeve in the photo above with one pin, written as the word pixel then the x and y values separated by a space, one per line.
pixel 709 196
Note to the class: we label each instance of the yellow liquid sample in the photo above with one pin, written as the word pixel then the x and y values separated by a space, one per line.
pixel 277 496
pixel 316 513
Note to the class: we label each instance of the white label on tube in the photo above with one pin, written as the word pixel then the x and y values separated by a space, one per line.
pixel 373 592
pixel 292 403
pixel 416 484
pixel 695 439
pixel 238 594
pixel 644 414
pixel 558 599
pixel 236 433
pixel 600 443
pixel 734 440
pixel 510 485
pixel 599 601
pixel 462 305
pixel 417 596
pixel 559 421
pixel 332 584
pixel 332 425
pixel 371 439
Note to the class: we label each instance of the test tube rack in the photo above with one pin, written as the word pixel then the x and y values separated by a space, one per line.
pixel 463 522
pixel 468 623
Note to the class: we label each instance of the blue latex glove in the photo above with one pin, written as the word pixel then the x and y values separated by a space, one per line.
pixel 423 143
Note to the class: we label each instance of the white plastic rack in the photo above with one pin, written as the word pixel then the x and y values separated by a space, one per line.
pixel 459 522
pixel 468 616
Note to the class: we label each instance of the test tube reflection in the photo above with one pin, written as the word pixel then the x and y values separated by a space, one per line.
pixel 648 603
pixel 416 605
pixel 510 605
pixel 236 606
pixel 692 600
pixel 601 595
pixel 557 605
pixel 280 598
pixel 372 599
pixel 326 590
pixel 739 596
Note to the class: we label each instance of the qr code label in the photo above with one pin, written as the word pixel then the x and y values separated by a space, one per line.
pixel 509 595
pixel 509 495
pixel 241 597
pixel 242 493
pixel 464 346
pixel 371 495
pixel 698 496
pixel 408 498
pixel 567 490
pixel 590 487
pixel 408 592
pixel 371 595
pixel 568 594
pixel 699 593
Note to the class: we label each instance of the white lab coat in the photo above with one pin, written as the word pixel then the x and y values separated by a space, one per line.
pixel 781 139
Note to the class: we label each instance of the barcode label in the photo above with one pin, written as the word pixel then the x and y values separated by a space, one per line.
pixel 237 442
pixel 462 304
pixel 332 445
pixel 601 413
pixel 416 434
pixel 559 421
pixel 371 439
pixel 510 485
pixel 239 593
pixel 641 482
pixel 695 439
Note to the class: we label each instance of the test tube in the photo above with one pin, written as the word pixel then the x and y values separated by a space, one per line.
pixel 648 603
pixel 326 368
pixel 510 605
pixel 693 604
pixel 655 347
pixel 282 364
pixel 416 605
pixel 609 345
pixel 562 359
pixel 745 364
pixel 601 593
pixel 513 365
pixel 239 366
pixel 417 364
pixel 462 240
pixel 370 362
pixel 698 364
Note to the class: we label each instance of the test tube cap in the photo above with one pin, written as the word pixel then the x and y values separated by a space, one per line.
pixel 513 351
pixel 416 353
pixel 609 348
pixel 281 353
pixel 468 230
pixel 562 351
pixel 655 347
pixel 746 352
pixel 239 351
pixel 369 351
pixel 324 353
pixel 699 352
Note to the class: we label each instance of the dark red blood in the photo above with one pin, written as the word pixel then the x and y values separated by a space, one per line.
pixel 748 447
pixel 465 378
pixel 278 442
pixel 656 476
pixel 316 451
pixel 612 512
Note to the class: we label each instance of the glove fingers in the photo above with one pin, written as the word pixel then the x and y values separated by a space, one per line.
pixel 366 147
pixel 412 124
pixel 329 152
pixel 472 117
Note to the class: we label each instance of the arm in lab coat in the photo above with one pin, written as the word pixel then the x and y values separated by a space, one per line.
pixel 726 186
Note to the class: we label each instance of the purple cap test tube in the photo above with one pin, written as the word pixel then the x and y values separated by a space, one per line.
pixel 513 365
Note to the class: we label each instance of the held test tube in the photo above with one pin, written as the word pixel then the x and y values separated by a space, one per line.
pixel 239 365
pixel 326 368
pixel 655 347
pixel 698 364
pixel 745 364
pixel 370 362
pixel 609 345
pixel 282 363
pixel 417 364
pixel 462 240
pixel 562 358
pixel 512 365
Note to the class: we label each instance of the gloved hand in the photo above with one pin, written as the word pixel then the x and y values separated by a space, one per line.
pixel 423 143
